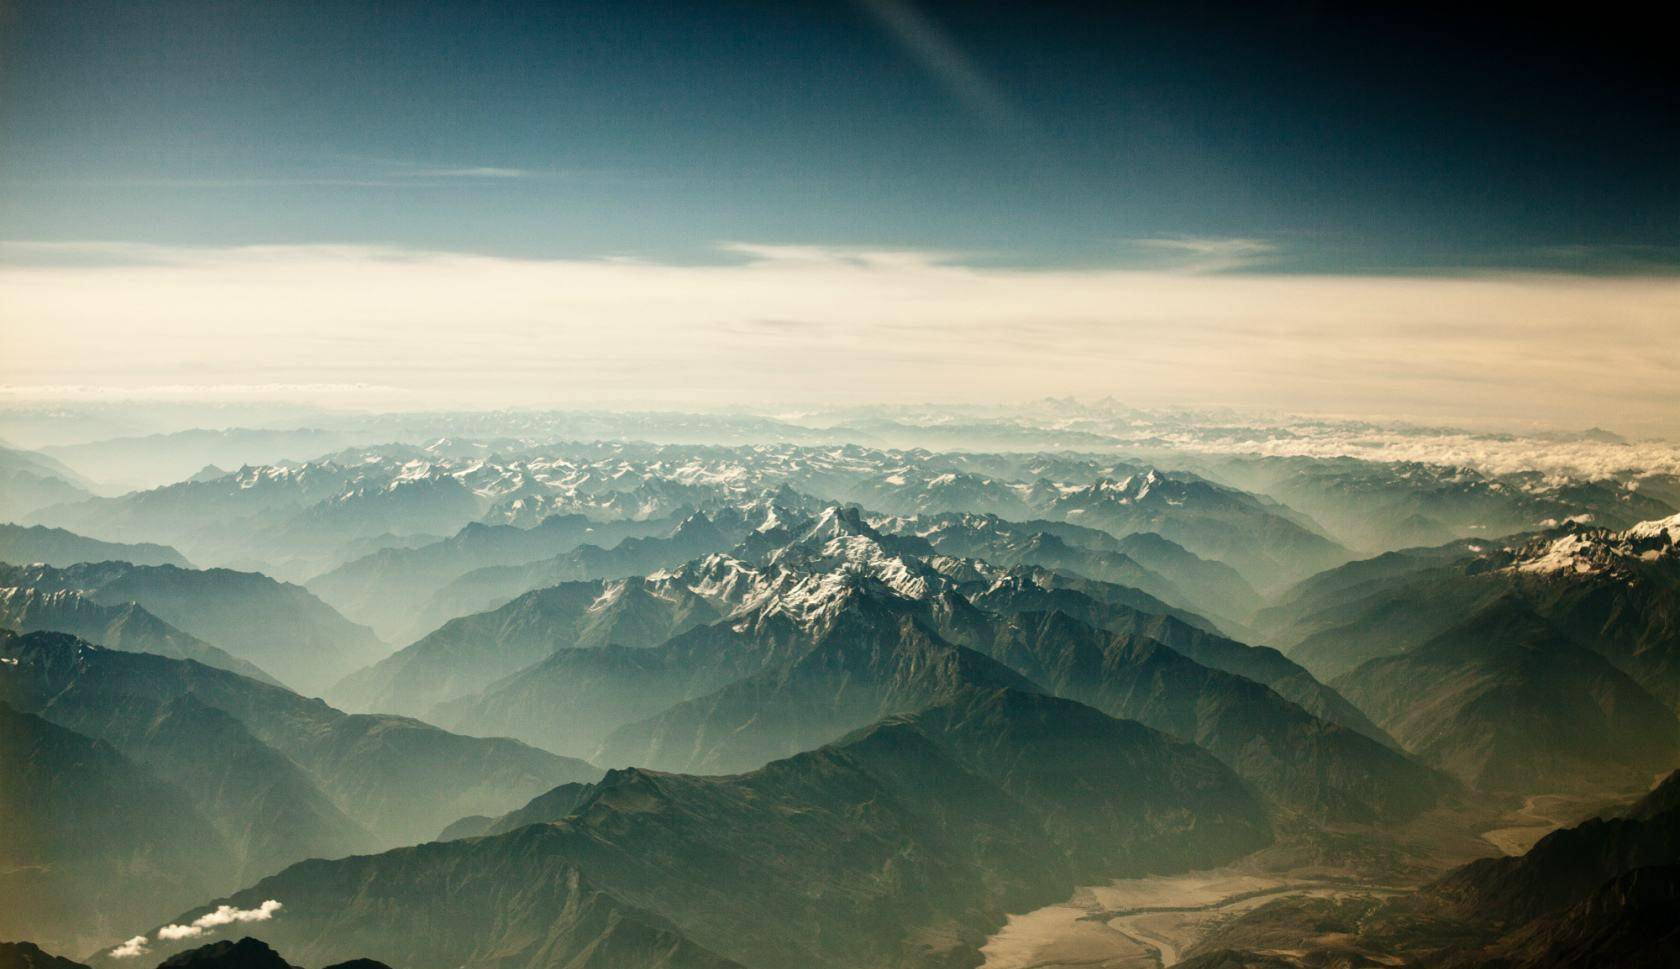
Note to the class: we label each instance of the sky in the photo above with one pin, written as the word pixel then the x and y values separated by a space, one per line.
pixel 1280 205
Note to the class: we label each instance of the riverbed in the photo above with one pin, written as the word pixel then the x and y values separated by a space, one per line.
pixel 1142 923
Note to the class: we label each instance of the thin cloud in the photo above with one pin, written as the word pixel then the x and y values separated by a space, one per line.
pixel 480 171
pixel 930 46
pixel 1209 253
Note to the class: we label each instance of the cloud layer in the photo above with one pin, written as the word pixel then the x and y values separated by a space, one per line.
pixel 832 325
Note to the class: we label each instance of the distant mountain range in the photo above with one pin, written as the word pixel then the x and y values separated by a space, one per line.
pixel 31 481
pixel 1143 560
pixel 152 460
pixel 292 519
pixel 126 627
pixel 55 546
pixel 383 587
pixel 281 628
pixel 1377 506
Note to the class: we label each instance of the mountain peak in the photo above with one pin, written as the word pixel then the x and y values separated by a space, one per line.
pixel 838 521
pixel 1583 550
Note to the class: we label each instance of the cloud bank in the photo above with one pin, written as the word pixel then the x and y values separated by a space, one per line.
pixel 827 325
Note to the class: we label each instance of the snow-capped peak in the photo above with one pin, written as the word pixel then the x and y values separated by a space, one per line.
pixel 1584 551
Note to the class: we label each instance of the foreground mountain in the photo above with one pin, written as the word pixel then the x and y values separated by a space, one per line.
pixel 55 546
pixel 94 844
pixel 1506 702
pixel 902 845
pixel 247 953
pixel 127 627
pixel 400 780
pixel 277 626
pixel 28 955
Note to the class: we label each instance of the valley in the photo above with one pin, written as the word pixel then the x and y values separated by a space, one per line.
pixel 1149 922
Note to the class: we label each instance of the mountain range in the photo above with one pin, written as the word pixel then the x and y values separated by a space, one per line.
pixel 277 626
pixel 127 627
pixel 55 546
pixel 907 841
pixel 789 701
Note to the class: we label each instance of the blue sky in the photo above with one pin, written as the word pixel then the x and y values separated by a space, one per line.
pixel 1286 206
pixel 1023 134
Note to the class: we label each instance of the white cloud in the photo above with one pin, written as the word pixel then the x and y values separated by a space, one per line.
pixel 133 947
pixel 873 325
pixel 223 915
pixel 476 171
pixel 1210 254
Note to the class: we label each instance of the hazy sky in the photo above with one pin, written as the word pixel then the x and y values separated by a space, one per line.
pixel 1278 205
